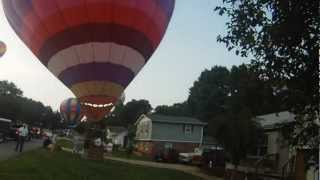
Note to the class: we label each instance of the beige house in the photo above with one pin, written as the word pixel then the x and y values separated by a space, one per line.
pixel 274 142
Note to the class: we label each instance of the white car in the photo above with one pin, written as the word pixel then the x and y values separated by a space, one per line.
pixel 193 157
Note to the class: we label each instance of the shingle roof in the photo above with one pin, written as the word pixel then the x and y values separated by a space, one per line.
pixel 174 119
pixel 270 120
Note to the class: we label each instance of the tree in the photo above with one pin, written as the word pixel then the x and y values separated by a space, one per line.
pixel 236 131
pixel 228 100
pixel 208 93
pixel 126 115
pixel 282 38
pixel 177 109
pixel 14 106
pixel 217 89
pixel 9 88
pixel 134 109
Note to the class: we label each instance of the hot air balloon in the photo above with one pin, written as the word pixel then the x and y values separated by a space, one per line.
pixel 3 48
pixel 70 111
pixel 95 47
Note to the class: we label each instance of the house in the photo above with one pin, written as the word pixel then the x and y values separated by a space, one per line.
pixel 157 132
pixel 118 135
pixel 273 141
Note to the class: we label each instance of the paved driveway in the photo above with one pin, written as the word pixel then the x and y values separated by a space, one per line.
pixel 187 169
pixel 7 149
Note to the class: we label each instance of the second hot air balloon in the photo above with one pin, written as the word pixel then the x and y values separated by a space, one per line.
pixel 3 48
pixel 95 47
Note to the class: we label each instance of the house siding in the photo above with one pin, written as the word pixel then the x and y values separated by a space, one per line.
pixel 175 132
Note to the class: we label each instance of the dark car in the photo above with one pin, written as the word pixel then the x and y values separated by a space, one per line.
pixel 4 129
pixel 213 158
pixel 169 155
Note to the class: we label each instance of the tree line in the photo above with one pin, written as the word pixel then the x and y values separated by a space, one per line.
pixel 20 109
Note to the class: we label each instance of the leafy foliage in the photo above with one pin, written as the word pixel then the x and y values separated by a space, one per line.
pixel 125 115
pixel 177 109
pixel 21 109
pixel 236 131
pixel 282 37
pixel 220 89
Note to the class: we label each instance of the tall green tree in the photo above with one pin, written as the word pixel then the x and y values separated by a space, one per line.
pixel 14 106
pixel 177 109
pixel 282 38
pixel 134 109
pixel 208 94
pixel 126 115
pixel 236 131
pixel 9 88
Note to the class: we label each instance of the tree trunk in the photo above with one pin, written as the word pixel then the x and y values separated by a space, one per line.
pixel 299 169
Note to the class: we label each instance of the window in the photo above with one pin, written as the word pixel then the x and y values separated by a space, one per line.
pixel 168 145
pixel 188 129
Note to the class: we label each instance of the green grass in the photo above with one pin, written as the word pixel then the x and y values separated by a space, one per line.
pixel 64 143
pixel 43 165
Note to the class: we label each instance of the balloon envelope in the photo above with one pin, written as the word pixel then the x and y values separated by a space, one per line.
pixel 95 47
pixel 3 48
pixel 70 111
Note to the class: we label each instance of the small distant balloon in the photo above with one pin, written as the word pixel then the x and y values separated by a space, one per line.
pixel 70 111
pixel 3 48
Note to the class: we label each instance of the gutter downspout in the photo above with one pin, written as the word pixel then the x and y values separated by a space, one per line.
pixel 201 139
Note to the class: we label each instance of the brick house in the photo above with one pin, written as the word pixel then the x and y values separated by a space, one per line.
pixel 157 132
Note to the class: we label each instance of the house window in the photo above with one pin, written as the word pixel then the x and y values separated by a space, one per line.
pixel 168 145
pixel 188 129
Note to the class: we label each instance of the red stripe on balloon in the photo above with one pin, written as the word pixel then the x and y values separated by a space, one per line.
pixel 62 16
pixel 102 33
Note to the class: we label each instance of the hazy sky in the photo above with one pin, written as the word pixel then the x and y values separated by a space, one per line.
pixel 189 47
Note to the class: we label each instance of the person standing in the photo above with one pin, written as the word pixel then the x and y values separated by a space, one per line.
pixel 22 134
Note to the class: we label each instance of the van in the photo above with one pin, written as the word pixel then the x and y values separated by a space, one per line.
pixel 4 129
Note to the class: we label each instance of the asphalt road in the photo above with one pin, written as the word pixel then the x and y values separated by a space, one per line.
pixel 7 149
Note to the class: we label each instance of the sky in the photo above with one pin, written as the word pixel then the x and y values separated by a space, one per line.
pixel 188 47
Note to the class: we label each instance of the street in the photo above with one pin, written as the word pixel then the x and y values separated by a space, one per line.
pixel 7 149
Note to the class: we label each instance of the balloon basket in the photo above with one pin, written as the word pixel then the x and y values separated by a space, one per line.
pixel 94 153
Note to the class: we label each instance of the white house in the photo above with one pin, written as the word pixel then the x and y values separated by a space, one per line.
pixel 118 135
pixel 274 142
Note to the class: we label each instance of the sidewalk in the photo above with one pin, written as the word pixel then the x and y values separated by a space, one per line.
pixel 7 149
pixel 184 168
pixel 179 167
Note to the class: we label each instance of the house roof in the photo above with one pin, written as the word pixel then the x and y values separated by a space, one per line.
pixel 117 129
pixel 174 119
pixel 269 121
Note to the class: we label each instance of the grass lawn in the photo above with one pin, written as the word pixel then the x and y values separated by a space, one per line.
pixel 40 164
pixel 65 143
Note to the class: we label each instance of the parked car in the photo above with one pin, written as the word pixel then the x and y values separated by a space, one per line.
pixel 4 129
pixel 192 157
pixel 169 155
pixel 203 155
pixel 2 137
pixel 213 158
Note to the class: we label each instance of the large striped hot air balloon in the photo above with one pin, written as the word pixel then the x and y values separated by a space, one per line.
pixel 3 48
pixel 95 47
pixel 70 111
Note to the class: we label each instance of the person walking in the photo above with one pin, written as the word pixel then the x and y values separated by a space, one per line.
pixel 22 134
